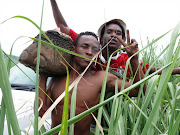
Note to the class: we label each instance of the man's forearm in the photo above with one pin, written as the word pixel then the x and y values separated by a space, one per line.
pixel 175 70
pixel 137 72
pixel 57 14
pixel 42 95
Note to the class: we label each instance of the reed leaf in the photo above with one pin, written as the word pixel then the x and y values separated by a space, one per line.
pixel 103 89
pixel 37 78
pixel 163 81
pixel 175 126
pixel 149 93
pixel 2 116
pixel 73 109
pixel 112 118
pixel 7 95
pixel 64 129
pixel 3 107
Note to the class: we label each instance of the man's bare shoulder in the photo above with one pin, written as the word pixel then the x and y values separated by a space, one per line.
pixel 99 73
pixel 55 79
pixel 102 73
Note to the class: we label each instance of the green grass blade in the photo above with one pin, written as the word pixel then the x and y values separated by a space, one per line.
pixel 8 123
pixel 73 109
pixel 3 108
pixel 42 129
pixel 64 127
pixel 2 116
pixel 37 78
pixel 173 112
pixel 110 131
pixel 149 93
pixel 102 96
pixel 113 111
pixel 175 127
pixel 141 111
pixel 163 81
pixel 7 95
pixel 106 115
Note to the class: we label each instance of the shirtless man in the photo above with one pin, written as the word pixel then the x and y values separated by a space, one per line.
pixel 88 91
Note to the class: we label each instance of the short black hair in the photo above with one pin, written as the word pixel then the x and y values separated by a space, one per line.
pixel 112 22
pixel 87 33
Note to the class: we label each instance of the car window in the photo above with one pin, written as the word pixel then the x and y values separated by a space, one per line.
pixel 18 77
pixel 20 81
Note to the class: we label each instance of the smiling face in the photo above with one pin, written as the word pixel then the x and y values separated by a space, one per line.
pixel 87 46
pixel 111 31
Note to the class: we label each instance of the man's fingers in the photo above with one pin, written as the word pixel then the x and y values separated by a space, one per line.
pixel 128 37
pixel 122 41
pixel 133 40
pixel 134 43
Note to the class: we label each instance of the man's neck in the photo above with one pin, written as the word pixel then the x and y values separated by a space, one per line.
pixel 106 54
pixel 77 70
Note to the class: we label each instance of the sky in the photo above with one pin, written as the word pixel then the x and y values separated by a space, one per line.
pixel 144 18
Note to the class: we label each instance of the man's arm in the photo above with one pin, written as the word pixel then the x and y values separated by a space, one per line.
pixel 131 48
pixel 137 72
pixel 42 95
pixel 60 22
pixel 175 70
pixel 111 82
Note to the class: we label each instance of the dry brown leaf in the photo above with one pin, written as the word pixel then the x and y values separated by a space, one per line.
pixel 97 122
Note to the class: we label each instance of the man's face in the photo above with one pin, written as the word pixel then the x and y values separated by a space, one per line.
pixel 87 46
pixel 113 30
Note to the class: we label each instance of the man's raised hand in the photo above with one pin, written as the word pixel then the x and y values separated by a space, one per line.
pixel 131 47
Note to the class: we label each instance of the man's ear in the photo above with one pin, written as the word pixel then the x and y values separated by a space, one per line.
pixel 73 49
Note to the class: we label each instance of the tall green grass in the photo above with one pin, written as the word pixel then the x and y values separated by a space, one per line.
pixel 156 112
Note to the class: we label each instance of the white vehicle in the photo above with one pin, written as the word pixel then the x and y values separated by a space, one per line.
pixel 23 92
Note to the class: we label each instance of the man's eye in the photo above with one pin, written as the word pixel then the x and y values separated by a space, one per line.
pixel 95 50
pixel 118 33
pixel 108 31
pixel 84 47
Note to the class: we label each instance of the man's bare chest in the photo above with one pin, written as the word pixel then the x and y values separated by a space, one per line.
pixel 87 92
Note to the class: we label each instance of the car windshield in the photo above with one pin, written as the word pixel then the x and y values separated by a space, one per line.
pixel 18 77
pixel 19 80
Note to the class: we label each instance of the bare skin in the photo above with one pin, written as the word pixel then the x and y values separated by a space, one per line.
pixel 60 21
pixel 87 91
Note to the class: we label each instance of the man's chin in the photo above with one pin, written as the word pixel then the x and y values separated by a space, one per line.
pixel 86 63
pixel 112 47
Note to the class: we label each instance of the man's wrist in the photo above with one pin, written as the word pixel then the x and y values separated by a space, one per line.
pixel 134 60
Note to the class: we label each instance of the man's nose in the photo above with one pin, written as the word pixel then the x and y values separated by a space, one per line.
pixel 113 34
pixel 89 51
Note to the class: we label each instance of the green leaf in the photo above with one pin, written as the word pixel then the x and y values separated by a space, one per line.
pixel 64 127
pixel 73 109
pixel 7 95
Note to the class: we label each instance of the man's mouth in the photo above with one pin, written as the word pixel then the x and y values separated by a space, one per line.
pixel 113 41
pixel 86 60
